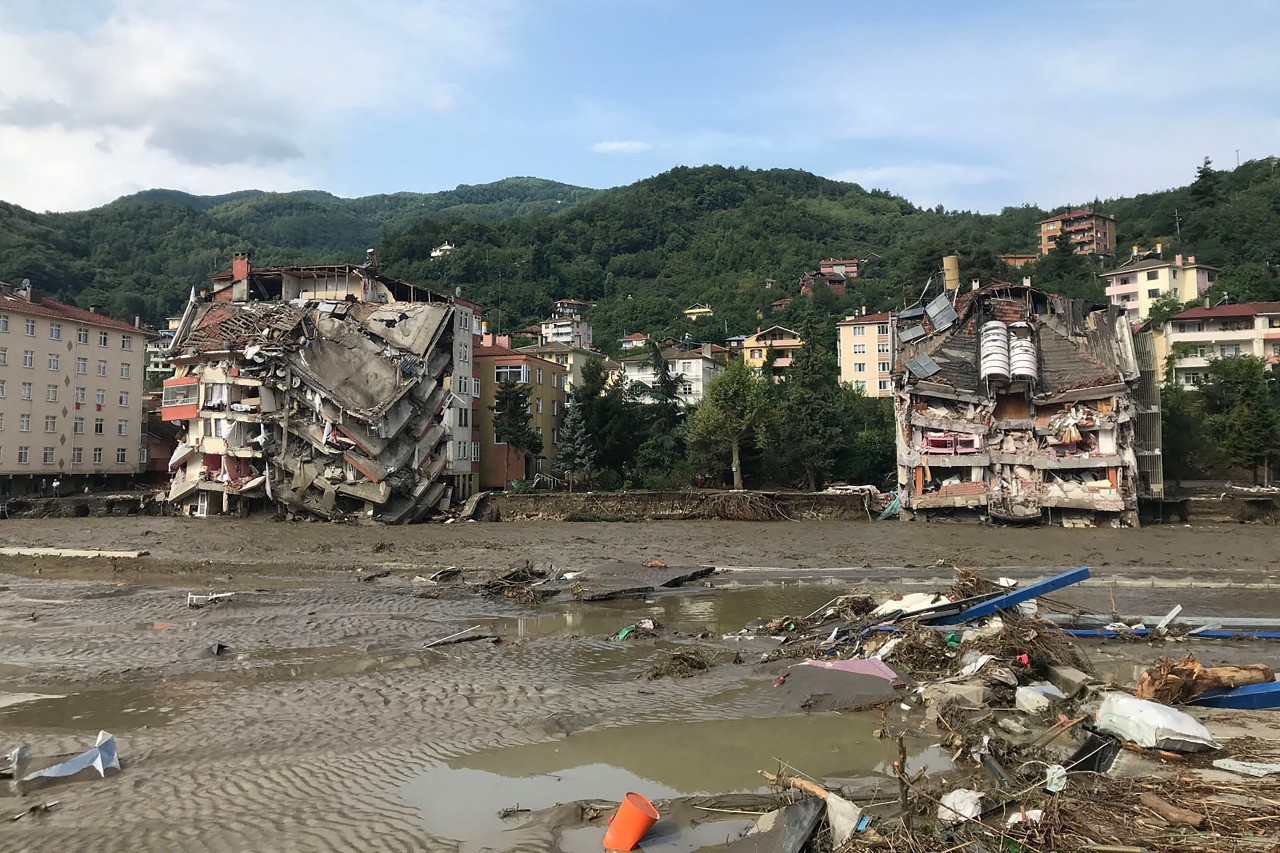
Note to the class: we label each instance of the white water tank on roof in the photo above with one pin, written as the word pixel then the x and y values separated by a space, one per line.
pixel 1023 360
pixel 993 351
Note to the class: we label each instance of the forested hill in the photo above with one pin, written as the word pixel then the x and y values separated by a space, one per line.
pixel 643 252
pixel 141 253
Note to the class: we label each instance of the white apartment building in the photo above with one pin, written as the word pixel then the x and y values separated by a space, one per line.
pixel 1197 336
pixel 692 369
pixel 1136 285
pixel 572 330
pixel 864 351
pixel 71 384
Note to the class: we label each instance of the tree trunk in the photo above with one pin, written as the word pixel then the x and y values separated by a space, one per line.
pixel 813 480
pixel 737 466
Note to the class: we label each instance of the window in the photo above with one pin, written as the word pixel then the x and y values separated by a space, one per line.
pixel 143 456
pixel 882 329
pixel 47 457
pixel 124 399
pixel 28 358
pixel 555 436
pixel 1153 293
pixel 859 367
pixel 126 342
pixel 97 456
pixel 462 450
pixel 122 427
pixel 122 455
pixel 756 353
pixel 555 380
pixel 50 423
pixel 77 426
pixel 1 389
pixel 686 388
pixel 30 328
pixel 102 367
pixel 859 385
pixel 1228 350
pixel 1152 275
pixel 539 376
pixel 24 423
pixel 463 415
pixel 883 366
pixel 82 366
pixel 475 387
pixel 100 397
pixel 55 331
pixel 1275 350
pixel 55 361
pixel 4 322
pixel 1173 273
pixel 82 335
pixel 79 396
pixel 77 455
pixel 102 339
pixel 511 372
pixel 884 384
pixel 686 367
pixel 124 370
pixel 1124 280
pixel 859 349
pixel 1 421
pixel 475 451
pixel 4 356
pixel 99 426
pixel 555 407
pixel 882 348
pixel 1191 379
pixel 51 393
pixel 1201 350
pixel 537 405
pixel 26 390
pixel 23 452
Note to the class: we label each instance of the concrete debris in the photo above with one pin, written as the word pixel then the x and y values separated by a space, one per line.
pixel 321 407
pixel 1037 698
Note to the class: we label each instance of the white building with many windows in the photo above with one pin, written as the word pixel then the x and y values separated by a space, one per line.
pixel 1136 285
pixel 1197 336
pixel 71 384
pixel 693 370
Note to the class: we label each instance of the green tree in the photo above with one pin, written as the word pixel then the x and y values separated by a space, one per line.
pixel 511 421
pixel 731 414
pixel 1243 413
pixel 807 428
pixel 1164 306
pixel 575 457
pixel 1206 189
pixel 1183 433
pixel 610 417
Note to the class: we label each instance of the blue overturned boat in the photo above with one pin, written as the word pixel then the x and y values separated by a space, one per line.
pixel 1250 697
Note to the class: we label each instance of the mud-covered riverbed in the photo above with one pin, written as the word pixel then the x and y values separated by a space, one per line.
pixel 323 723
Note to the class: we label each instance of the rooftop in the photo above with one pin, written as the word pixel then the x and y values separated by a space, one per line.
pixel 1154 263
pixel 1073 214
pixel 1221 312
pixel 880 317
pixel 52 309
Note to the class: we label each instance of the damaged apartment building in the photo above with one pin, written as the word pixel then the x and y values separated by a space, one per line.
pixel 320 390
pixel 1021 405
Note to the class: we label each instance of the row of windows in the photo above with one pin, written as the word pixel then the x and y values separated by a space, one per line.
pixel 77 424
pixel 883 385
pixel 861 367
pixel 861 349
pixel 55 333
pixel 55 363
pixel 469 449
pixel 881 329
pixel 520 373
pixel 77 455
pixel 51 394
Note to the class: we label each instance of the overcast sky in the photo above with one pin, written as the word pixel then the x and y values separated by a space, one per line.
pixel 971 105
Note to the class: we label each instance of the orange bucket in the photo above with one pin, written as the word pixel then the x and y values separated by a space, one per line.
pixel 630 823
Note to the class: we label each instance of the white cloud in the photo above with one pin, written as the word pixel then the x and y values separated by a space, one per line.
pixel 924 183
pixel 222 94
pixel 620 146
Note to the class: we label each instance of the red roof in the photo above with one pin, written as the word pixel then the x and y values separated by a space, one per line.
pixel 883 316
pixel 635 336
pixel 1245 309
pixel 498 351
pixel 49 308
pixel 1072 214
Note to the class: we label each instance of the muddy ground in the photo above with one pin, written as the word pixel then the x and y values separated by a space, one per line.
pixel 325 724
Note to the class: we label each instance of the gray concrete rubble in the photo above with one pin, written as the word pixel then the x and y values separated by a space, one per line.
pixel 324 408
pixel 1023 405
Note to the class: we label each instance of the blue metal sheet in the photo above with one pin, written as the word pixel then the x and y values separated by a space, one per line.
pixel 1013 599
pixel 1217 634
pixel 1251 697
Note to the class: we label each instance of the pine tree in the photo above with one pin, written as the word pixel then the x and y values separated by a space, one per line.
pixel 808 424
pixel 511 420
pixel 1206 190
pixel 576 456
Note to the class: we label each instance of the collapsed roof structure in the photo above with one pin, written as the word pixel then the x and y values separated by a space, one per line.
pixel 1014 402
pixel 322 406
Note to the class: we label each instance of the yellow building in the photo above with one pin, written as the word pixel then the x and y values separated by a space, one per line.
pixel 864 351
pixel 1136 285
pixel 697 312
pixel 775 346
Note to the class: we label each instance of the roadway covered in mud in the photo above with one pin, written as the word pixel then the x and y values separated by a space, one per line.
pixel 311 710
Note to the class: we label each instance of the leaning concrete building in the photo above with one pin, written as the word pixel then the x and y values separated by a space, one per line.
pixel 1022 405
pixel 321 390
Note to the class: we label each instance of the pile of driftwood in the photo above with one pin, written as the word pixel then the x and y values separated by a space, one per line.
pixel 1176 683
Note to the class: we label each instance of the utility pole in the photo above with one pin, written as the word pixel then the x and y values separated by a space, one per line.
pixel 1237 158
pixel 1177 223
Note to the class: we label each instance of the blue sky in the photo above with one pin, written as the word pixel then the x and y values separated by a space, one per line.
pixel 974 106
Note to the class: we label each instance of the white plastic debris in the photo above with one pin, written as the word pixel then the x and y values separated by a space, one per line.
pixel 1037 698
pixel 1055 778
pixel 913 602
pixel 1030 817
pixel 1152 725
pixel 959 805
pixel 843 817
pixel 102 758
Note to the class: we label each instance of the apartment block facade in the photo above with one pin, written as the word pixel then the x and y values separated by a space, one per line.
pixel 496 363
pixel 865 353
pixel 464 402
pixel 1090 233
pixel 1135 286
pixel 775 347
pixel 693 370
pixel 71 385
pixel 1197 336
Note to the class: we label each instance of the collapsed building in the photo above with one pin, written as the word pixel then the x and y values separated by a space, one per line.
pixel 1023 405
pixel 322 390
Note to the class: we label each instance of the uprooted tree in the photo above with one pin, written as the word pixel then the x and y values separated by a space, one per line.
pixel 732 413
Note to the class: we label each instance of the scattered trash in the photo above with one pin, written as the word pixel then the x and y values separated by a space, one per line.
pixel 959 805
pixel 1027 817
pixel 680 664
pixel 218 649
pixel 102 757
pixel 843 817
pixel 1152 725
pixel 439 576
pixel 1252 697
pixel 1170 812
pixel 1055 778
pixel 462 637
pixel 870 666
pixel 654 564
pixel 1037 698
pixel 37 808
pixel 367 577
pixel 643 628
pixel 633 819
pixel 198 600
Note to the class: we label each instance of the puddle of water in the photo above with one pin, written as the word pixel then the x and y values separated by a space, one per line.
pixel 460 800
pixel 115 709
